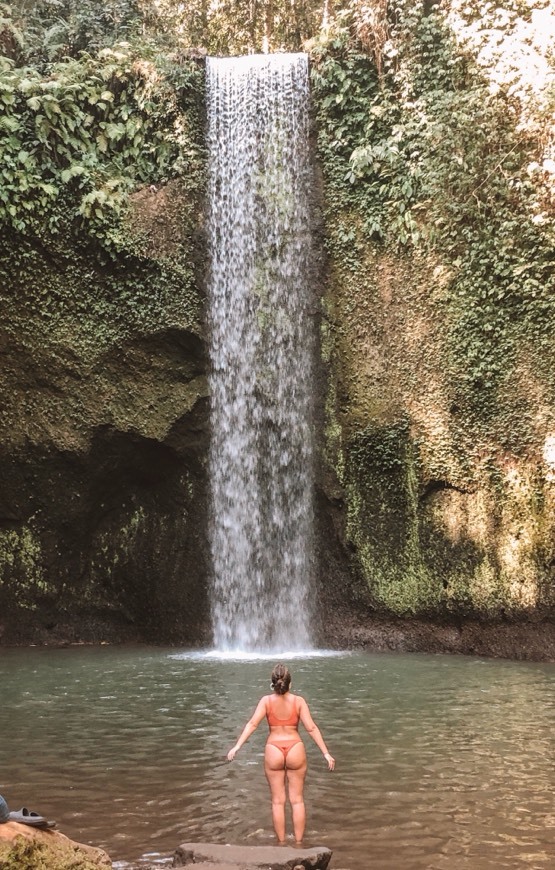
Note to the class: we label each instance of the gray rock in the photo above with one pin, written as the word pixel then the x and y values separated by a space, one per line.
pixel 210 865
pixel 214 855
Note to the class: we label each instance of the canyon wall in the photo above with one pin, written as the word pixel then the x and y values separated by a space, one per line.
pixel 433 208
pixel 433 135
pixel 103 432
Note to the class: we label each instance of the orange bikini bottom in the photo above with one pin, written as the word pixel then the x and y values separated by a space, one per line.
pixel 285 747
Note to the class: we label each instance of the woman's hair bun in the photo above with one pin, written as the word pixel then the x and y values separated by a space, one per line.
pixel 281 679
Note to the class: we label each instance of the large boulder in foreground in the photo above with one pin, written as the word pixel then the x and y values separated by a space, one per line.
pixel 25 848
pixel 212 855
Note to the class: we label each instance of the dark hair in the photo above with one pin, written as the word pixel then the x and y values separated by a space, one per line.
pixel 281 679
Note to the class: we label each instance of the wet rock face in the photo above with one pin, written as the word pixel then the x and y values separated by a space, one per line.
pixel 103 440
pixel 441 514
pixel 105 544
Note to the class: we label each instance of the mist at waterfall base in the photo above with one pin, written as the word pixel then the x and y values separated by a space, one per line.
pixel 261 338
pixel 443 762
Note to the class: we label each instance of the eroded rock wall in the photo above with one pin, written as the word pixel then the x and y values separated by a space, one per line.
pixel 104 432
pixel 435 518
pixel 436 481
pixel 438 323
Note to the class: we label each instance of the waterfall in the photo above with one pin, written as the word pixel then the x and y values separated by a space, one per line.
pixel 261 349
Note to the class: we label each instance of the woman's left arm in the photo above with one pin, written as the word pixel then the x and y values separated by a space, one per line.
pixel 315 733
pixel 249 728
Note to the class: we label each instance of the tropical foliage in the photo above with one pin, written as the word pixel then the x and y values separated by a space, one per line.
pixel 430 157
pixel 78 133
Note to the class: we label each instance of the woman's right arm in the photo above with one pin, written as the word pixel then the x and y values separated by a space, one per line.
pixel 315 732
pixel 249 728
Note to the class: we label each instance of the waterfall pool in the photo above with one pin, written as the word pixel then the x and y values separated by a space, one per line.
pixel 442 762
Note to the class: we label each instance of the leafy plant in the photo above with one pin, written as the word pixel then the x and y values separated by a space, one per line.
pixel 48 30
pixel 78 136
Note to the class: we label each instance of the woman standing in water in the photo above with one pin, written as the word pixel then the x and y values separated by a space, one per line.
pixel 284 756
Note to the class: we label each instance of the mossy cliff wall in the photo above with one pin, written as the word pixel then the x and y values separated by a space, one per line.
pixel 103 430
pixel 439 311
pixel 434 137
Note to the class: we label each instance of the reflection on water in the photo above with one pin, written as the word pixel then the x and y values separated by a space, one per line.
pixel 442 763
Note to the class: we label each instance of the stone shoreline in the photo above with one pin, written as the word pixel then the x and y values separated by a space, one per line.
pixel 24 845
pixel 532 640
pixel 516 640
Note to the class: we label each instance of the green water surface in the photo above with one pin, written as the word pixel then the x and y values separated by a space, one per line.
pixel 442 762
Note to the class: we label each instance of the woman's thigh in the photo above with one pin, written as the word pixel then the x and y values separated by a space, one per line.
pixel 274 769
pixel 296 770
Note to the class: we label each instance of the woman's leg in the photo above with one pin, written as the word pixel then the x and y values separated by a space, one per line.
pixel 296 772
pixel 274 768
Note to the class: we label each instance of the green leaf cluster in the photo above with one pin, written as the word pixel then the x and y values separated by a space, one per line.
pixel 34 32
pixel 78 135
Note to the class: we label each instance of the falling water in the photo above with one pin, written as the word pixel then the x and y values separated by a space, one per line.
pixel 261 352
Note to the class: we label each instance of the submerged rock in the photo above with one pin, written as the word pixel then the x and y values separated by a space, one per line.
pixel 214 856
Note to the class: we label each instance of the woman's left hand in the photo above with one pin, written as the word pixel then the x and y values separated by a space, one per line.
pixel 331 761
pixel 231 754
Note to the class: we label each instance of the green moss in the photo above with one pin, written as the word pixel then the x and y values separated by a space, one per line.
pixel 30 855
pixel 387 146
pixel 78 288
pixel 382 520
pixel 438 313
pixel 22 573
pixel 445 552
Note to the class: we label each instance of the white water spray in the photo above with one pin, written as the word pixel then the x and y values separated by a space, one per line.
pixel 261 349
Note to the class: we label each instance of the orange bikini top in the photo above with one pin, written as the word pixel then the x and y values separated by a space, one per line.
pixel 293 719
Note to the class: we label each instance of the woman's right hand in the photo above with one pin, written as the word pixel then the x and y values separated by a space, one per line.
pixel 231 754
pixel 331 760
